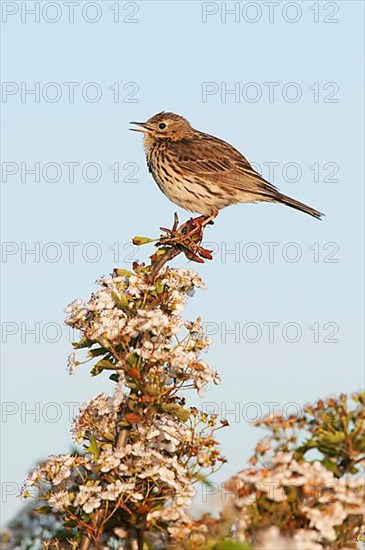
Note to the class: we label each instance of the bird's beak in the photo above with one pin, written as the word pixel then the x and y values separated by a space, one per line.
pixel 144 128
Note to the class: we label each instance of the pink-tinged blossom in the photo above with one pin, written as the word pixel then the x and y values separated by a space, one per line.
pixel 88 497
pixel 60 501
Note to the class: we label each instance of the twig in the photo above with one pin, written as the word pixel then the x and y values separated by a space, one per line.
pixel 85 543
pixel 166 257
pixel 186 238
pixel 122 439
pixel 140 534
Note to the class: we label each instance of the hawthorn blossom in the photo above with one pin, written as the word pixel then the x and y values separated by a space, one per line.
pixel 272 539
pixel 55 470
pixel 96 418
pixel 88 497
pixel 113 490
pixel 325 520
pixel 60 501
pixel 324 501
pixel 307 539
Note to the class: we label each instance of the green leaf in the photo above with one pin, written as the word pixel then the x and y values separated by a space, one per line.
pixel 179 412
pixel 159 287
pixel 114 377
pixel 95 371
pixel 104 364
pixel 161 251
pixel 43 509
pixel 329 439
pixel 66 524
pixel 96 352
pixel 121 300
pixel 142 240
pixel 83 343
pixel 331 466
pixel 93 448
pixel 122 272
pixel 132 359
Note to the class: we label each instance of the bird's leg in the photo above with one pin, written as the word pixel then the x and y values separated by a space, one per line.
pixel 200 222
pixel 197 224
pixel 209 219
pixel 206 220
pixel 196 234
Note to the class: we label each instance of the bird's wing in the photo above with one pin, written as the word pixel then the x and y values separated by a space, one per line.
pixel 212 159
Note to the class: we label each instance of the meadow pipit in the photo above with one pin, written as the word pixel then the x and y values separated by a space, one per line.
pixel 202 173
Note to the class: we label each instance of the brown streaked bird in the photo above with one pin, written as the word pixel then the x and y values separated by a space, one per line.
pixel 202 173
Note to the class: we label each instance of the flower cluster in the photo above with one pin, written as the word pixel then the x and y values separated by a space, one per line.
pixel 318 502
pixel 305 498
pixel 80 484
pixel 157 466
pixel 133 326
pixel 333 426
pixel 273 539
pixel 287 500
pixel 143 449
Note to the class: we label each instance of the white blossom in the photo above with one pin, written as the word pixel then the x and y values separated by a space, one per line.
pixel 88 497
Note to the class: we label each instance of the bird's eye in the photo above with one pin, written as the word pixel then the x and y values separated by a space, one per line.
pixel 162 125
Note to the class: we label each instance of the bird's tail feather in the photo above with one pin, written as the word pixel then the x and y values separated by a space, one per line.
pixel 299 206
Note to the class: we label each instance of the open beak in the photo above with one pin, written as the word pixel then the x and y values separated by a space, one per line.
pixel 144 128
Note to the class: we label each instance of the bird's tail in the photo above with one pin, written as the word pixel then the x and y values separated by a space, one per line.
pixel 299 206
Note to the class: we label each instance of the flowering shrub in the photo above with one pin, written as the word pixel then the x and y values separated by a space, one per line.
pixel 287 499
pixel 303 500
pixel 143 449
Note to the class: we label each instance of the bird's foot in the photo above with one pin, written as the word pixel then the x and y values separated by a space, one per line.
pixel 189 229
pixel 188 237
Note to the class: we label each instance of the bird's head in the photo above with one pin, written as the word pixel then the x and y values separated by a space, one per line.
pixel 164 126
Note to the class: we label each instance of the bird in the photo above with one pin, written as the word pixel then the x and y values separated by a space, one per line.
pixel 202 173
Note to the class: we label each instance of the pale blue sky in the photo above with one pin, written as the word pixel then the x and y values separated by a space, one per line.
pixel 168 55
